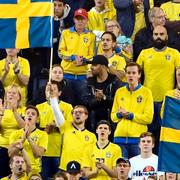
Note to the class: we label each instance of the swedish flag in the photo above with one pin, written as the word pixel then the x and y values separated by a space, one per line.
pixel 25 23
pixel 169 152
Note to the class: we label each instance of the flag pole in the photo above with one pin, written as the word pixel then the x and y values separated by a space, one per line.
pixel 51 39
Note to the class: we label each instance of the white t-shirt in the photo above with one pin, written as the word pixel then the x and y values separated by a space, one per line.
pixel 142 168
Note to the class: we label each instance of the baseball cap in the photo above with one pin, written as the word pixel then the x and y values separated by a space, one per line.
pixel 81 12
pixel 73 167
pixel 99 59
pixel 122 159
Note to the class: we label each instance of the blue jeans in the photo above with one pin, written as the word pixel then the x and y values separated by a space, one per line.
pixel 78 90
pixel 50 166
pixel 128 150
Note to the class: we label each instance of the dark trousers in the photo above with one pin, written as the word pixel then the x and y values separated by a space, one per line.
pixel 4 162
pixel 155 126
pixel 50 166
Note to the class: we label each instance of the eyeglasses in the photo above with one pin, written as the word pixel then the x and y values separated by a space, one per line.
pixel 160 17
pixel 78 112
pixel 111 26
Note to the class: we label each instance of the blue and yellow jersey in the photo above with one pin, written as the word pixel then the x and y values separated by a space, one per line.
pixel 159 70
pixel 72 43
pixel 140 103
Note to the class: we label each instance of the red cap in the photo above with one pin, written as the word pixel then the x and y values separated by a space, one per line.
pixel 81 12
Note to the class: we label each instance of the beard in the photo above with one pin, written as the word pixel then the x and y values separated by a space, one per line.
pixel 159 43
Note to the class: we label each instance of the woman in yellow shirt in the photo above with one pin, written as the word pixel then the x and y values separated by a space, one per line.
pixel 9 121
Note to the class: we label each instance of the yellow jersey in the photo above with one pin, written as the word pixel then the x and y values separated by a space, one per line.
pixel 38 137
pixel 140 20
pixel 97 20
pixel 74 142
pixel 12 78
pixel 47 117
pixel 117 62
pixel 108 155
pixel 8 125
pixel 23 177
pixel 110 5
pixel 159 70
pixel 171 10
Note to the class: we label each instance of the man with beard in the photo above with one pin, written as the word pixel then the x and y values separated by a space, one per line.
pixel 117 63
pixel 143 39
pixel 102 87
pixel 18 168
pixel 75 137
pixel 159 64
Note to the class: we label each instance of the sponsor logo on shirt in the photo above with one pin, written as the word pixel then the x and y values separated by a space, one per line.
pixel 147 171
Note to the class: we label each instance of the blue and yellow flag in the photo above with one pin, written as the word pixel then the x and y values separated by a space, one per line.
pixel 25 23
pixel 169 150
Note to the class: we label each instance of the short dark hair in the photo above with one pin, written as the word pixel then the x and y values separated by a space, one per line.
pixel 130 64
pixel 33 107
pixel 104 122
pixel 145 134
pixel 111 34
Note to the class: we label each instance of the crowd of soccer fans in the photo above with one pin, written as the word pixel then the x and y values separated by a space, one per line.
pixel 96 114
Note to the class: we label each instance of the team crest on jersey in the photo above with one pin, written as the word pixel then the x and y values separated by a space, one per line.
pixel 34 139
pixel 139 99
pixel 168 57
pixel 105 20
pixel 108 154
pixel 122 98
pixel 85 39
pixel 114 63
pixel 86 138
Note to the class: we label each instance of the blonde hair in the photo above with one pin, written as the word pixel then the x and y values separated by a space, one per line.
pixel 117 24
pixel 15 86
